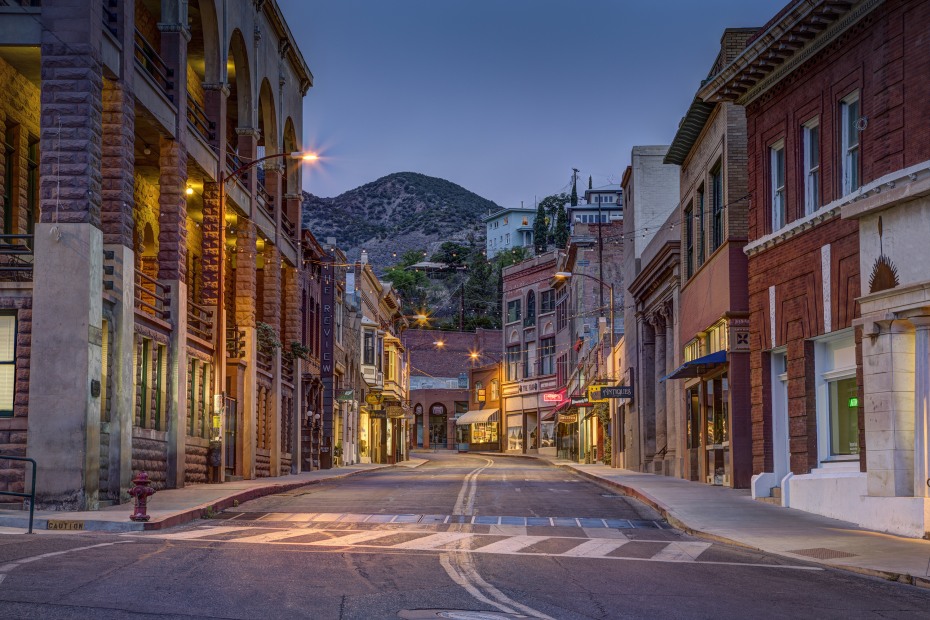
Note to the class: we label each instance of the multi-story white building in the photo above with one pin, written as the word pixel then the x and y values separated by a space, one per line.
pixel 601 204
pixel 509 229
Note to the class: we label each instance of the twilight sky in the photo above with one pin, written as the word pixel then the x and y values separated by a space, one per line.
pixel 503 97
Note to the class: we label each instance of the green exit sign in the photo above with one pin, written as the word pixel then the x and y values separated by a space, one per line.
pixel 853 402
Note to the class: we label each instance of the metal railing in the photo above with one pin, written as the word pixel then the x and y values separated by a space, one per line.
pixel 32 489
pixel 154 65
pixel 199 121
pixel 200 321
pixel 152 297
pixel 16 258
pixel 263 361
pixel 110 16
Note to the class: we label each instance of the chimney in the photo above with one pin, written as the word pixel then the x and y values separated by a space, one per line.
pixel 364 258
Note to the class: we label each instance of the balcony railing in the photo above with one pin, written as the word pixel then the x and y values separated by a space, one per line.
pixel 154 65
pixel 152 297
pixel 287 370
pixel 233 163
pixel 289 228
pixel 16 258
pixel 235 342
pixel 199 321
pixel 110 16
pixel 265 200
pixel 198 120
pixel 263 362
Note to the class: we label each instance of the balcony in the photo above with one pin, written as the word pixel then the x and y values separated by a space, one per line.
pixel 16 258
pixel 235 342
pixel 287 370
pixel 153 65
pixel 152 297
pixel 200 322
pixel 198 120
pixel 265 200
pixel 289 228
pixel 263 362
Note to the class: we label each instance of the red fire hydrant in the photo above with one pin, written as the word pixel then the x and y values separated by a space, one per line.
pixel 141 492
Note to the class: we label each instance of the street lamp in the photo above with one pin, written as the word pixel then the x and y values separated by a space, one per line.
pixel 220 371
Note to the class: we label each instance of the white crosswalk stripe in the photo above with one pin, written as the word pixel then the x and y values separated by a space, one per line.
pixel 681 551
pixel 595 548
pixel 467 542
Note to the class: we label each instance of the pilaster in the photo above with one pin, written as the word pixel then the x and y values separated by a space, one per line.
pixel 172 204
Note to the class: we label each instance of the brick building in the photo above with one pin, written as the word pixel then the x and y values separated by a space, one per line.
pixel 529 350
pixel 836 105
pixel 706 372
pixel 440 363
pixel 143 292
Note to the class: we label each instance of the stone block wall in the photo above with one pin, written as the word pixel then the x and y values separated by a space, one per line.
pixel 13 430
pixel 195 460
pixel 150 454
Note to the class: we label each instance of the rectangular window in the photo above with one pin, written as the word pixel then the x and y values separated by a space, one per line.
pixel 389 366
pixel 7 363
pixel 192 398
pixel 547 356
pixel 689 241
pixel 547 301
pixel 700 225
pixel 716 188
pixel 810 140
pixel 495 390
pixel 693 425
pixel 161 388
pixel 777 180
pixel 561 314
pixel 513 363
pixel 849 143
pixel 513 311
pixel 368 353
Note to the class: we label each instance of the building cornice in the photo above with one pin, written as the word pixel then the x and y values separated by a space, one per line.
pixel 802 32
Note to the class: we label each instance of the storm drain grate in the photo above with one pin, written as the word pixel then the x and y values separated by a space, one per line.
pixel 822 553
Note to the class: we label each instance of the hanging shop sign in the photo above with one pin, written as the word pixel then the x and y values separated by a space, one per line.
pixel 394 411
pixel 552 397
pixel 581 401
pixel 595 395
pixel 374 398
pixel 619 391
pixel 345 396
pixel 567 418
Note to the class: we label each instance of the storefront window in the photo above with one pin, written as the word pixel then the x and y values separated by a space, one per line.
pixel 514 432
pixel 844 417
pixel 693 403
pixel 484 432
pixel 547 434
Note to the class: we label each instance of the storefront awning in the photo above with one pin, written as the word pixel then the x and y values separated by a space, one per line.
pixel 698 367
pixel 477 416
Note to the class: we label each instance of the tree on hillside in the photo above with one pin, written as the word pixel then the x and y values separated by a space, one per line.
pixel 410 257
pixel 560 230
pixel 451 253
pixel 411 285
pixel 541 230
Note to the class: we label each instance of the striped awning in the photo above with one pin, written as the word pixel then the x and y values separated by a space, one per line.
pixel 477 416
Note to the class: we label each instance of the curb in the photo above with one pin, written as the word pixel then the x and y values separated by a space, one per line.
pixel 189 514
pixel 665 511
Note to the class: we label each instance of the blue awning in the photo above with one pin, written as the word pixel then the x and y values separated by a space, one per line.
pixel 698 367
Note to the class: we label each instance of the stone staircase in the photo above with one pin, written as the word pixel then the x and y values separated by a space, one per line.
pixel 774 499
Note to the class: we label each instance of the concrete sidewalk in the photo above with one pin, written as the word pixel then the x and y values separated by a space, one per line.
pixel 732 516
pixel 172 507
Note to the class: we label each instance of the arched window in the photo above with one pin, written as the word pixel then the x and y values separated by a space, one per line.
pixel 530 308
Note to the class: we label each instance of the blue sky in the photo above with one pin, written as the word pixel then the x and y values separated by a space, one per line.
pixel 503 97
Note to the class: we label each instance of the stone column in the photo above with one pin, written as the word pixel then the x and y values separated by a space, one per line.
pixel 271 313
pixel 172 272
pixel 671 388
pixel 174 38
pixel 64 402
pixel 118 224
pixel 245 294
pixel 291 207
pixel 658 324
pixel 248 147
pixel 921 404
pixel 216 96
pixel 647 412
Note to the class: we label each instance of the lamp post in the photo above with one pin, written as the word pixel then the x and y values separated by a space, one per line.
pixel 220 322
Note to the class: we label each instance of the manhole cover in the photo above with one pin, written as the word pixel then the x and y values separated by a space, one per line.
pixel 454 614
pixel 822 553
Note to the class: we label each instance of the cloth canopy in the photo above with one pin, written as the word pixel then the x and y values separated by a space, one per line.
pixel 477 416
pixel 697 367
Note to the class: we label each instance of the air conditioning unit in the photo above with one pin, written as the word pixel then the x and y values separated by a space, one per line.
pixel 380 378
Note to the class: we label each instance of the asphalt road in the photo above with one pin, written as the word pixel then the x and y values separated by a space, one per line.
pixel 489 537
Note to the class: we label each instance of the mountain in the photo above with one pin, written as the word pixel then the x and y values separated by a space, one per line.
pixel 399 212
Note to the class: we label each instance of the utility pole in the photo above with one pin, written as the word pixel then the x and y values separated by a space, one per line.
pixel 462 307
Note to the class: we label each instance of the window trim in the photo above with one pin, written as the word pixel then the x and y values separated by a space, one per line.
pixel 8 413
pixel 810 168
pixel 850 154
pixel 689 240
pixel 778 218
pixel 716 209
